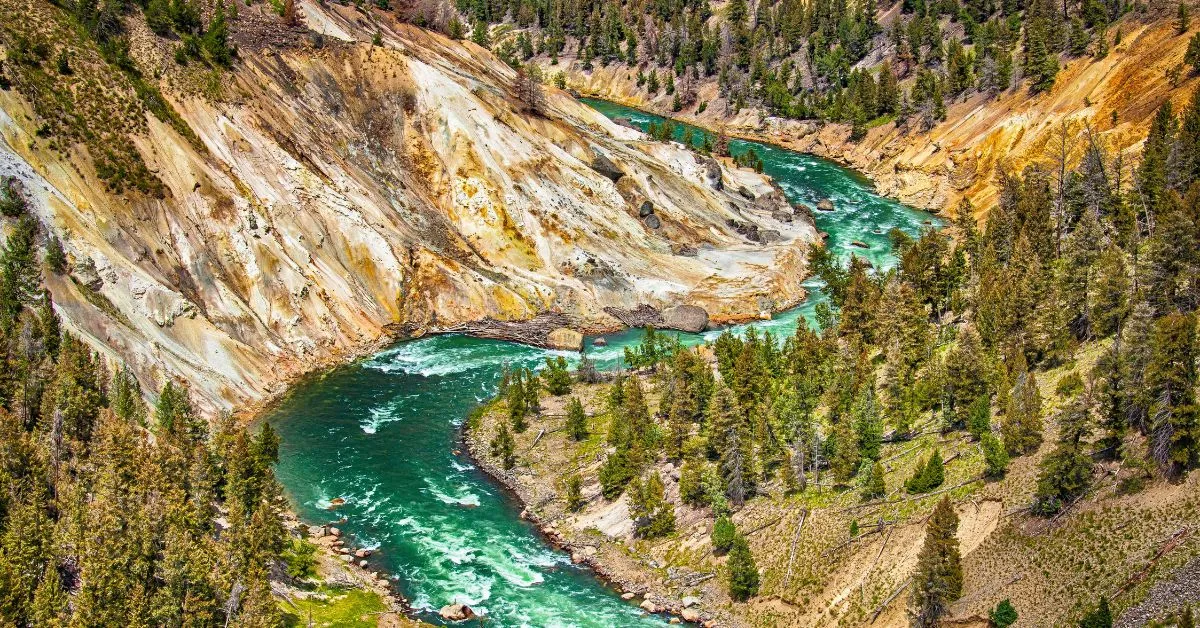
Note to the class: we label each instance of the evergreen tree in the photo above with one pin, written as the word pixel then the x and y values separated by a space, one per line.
pixel 939 578
pixel 503 447
pixel 1067 471
pixel 653 516
pixel 995 456
pixel 875 486
pixel 1172 378
pixel 558 379
pixel 743 572
pixel 577 427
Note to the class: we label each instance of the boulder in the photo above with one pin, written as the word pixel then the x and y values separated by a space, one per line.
pixel 652 222
pixel 335 532
pixel 646 209
pixel 690 601
pixel 565 338
pixel 600 342
pixel 346 558
pixel 362 553
pixel 628 595
pixel 650 607
pixel 605 166
pixel 861 245
pixel 690 615
pixel 456 612
pixel 689 318
pixel 825 205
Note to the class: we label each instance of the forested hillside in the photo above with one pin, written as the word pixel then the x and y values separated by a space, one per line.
pixel 1032 373
pixel 114 513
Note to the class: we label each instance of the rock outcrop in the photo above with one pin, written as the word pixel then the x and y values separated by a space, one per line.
pixel 689 318
pixel 323 199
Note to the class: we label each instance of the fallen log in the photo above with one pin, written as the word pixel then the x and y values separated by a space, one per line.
pixel 792 553
pixel 1168 546
pixel 879 609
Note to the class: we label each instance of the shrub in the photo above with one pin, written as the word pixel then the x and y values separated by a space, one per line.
pixel 1069 385
pixel 1003 616
pixel 300 559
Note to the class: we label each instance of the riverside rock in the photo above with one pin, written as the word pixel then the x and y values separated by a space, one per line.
pixel 565 338
pixel 456 612
pixel 825 205
pixel 689 318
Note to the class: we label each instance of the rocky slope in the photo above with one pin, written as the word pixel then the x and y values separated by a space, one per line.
pixel 328 194
pixel 1115 97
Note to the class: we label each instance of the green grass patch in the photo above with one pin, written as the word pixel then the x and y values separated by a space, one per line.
pixel 340 607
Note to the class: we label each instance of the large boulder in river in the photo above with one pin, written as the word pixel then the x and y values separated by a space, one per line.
pixel 565 338
pixel 456 612
pixel 689 318
pixel 825 205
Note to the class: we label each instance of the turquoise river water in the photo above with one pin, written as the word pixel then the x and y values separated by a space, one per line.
pixel 384 434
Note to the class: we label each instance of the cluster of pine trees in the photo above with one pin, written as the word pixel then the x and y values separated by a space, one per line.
pixel 113 513
pixel 950 339
pixel 797 58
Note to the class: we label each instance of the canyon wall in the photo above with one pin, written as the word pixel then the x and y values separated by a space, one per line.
pixel 1114 96
pixel 329 194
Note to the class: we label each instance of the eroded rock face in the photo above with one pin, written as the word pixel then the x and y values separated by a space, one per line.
pixel 289 237
pixel 689 318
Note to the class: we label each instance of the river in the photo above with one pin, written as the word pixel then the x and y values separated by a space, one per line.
pixel 383 434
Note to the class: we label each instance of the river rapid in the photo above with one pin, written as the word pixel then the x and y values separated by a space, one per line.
pixel 384 435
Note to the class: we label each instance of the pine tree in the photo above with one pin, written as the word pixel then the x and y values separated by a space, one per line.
pixel 576 426
pixel 876 485
pixel 50 604
pixel 56 258
pixel 653 516
pixel 574 493
pixel 939 578
pixel 503 446
pixel 928 476
pixel 995 456
pixel 1172 377
pixel 558 379
pixel 1021 427
pixel 743 572
pixel 1067 471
